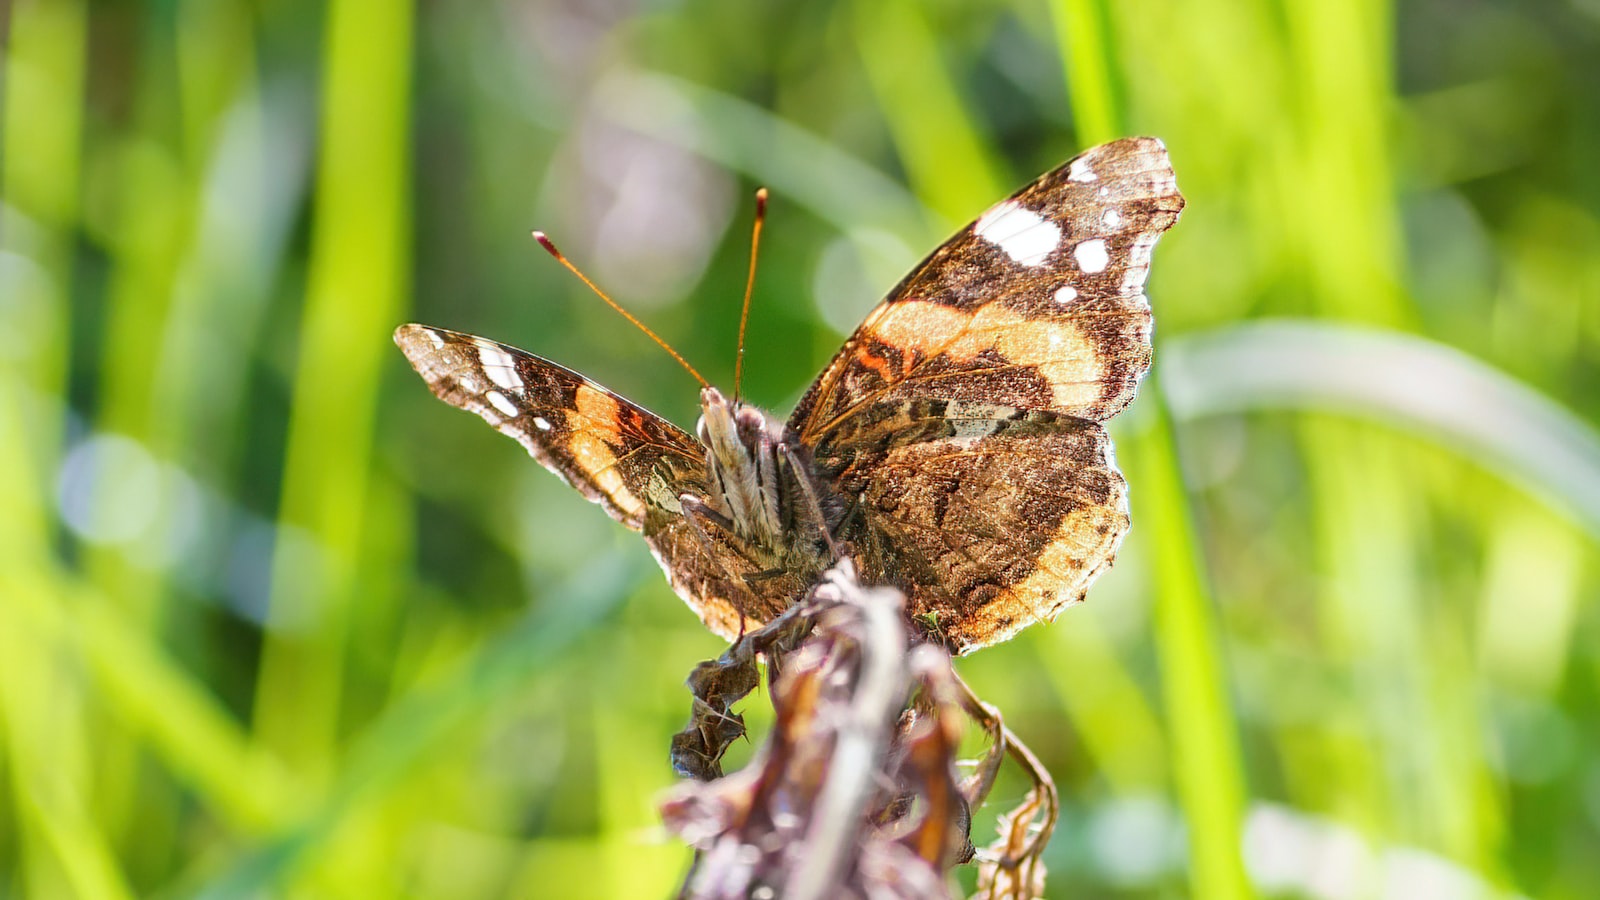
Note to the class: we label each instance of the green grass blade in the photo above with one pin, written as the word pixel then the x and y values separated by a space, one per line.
pixel 1205 760
pixel 354 296
pixel 945 154
pixel 397 744
pixel 50 755
pixel 1081 40
pixel 801 167
pixel 1400 381
pixel 39 174
pixel 1368 518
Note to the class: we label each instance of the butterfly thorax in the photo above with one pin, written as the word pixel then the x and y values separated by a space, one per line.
pixel 760 493
pixel 742 465
pixel 756 513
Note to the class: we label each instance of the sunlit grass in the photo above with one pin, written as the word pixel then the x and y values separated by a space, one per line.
pixel 275 623
pixel 357 279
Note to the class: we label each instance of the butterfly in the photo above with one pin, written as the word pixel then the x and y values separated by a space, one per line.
pixel 954 446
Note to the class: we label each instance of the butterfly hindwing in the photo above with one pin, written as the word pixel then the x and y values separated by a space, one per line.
pixel 1039 303
pixel 989 517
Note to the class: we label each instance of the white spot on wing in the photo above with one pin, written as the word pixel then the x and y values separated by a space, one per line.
pixel 1066 294
pixel 1092 256
pixel 503 403
pixel 499 366
pixel 1080 171
pixel 541 423
pixel 1112 219
pixel 435 337
pixel 1021 233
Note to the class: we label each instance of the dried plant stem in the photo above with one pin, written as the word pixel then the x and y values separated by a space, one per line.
pixel 854 793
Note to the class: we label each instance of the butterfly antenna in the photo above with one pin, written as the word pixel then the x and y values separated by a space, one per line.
pixel 749 286
pixel 560 258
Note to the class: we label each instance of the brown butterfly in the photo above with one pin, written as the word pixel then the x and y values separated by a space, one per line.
pixel 954 445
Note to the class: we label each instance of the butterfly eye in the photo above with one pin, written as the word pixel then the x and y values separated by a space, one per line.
pixel 753 424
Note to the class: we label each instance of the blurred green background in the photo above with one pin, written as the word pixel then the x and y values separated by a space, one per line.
pixel 275 622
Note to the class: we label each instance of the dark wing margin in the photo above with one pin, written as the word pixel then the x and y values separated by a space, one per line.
pixel 1038 304
pixel 616 453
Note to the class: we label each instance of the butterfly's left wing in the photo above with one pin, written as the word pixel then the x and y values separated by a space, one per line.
pixel 632 462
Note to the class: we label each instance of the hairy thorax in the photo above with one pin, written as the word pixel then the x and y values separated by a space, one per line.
pixel 761 517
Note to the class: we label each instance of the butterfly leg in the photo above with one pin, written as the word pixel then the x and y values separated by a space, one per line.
pixel 741 561
pixel 812 519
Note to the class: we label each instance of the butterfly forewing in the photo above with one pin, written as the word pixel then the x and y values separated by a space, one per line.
pixel 618 454
pixel 1039 303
